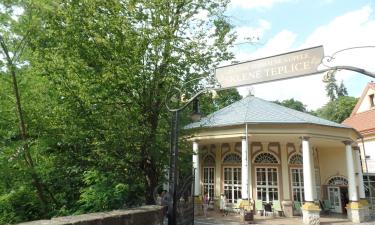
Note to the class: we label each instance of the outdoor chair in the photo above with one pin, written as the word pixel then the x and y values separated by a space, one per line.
pixel 276 207
pixel 268 209
pixel 236 207
pixel 297 207
pixel 326 206
pixel 259 207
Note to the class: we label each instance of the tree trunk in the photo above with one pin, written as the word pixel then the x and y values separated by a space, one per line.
pixel 27 156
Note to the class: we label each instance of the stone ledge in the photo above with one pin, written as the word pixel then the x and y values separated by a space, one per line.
pixel 150 214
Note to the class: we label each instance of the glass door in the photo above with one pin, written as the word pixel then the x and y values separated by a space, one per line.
pixel 232 184
pixel 208 182
pixel 334 198
pixel 297 184
pixel 267 184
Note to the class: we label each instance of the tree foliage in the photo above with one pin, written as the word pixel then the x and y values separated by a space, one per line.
pixel 333 90
pixel 93 78
pixel 211 103
pixel 293 104
pixel 338 110
pixel 340 105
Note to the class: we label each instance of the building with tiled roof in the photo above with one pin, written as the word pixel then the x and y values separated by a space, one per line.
pixel 257 151
pixel 362 119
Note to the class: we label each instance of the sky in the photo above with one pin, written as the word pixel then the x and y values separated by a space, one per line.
pixel 280 26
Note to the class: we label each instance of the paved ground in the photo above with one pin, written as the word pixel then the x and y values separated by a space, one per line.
pixel 214 218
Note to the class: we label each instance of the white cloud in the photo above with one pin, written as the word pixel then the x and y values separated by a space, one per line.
pixel 255 4
pixel 280 43
pixel 351 29
pixel 244 33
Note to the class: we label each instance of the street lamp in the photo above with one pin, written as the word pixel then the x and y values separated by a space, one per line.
pixel 196 114
pixel 173 167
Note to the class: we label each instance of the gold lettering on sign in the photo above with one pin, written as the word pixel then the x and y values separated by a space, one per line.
pixel 284 66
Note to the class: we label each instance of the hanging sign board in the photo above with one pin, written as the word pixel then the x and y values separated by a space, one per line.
pixel 289 65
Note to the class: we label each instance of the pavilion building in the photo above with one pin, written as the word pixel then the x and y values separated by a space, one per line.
pixel 258 150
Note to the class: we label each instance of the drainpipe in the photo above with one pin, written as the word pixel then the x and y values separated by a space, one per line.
pixel 364 153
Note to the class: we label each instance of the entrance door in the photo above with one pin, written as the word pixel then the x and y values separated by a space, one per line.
pixel 232 184
pixel 334 198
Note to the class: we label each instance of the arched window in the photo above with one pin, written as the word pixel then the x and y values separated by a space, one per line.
pixel 338 181
pixel 265 158
pixel 296 159
pixel 267 182
pixel 209 160
pixel 232 158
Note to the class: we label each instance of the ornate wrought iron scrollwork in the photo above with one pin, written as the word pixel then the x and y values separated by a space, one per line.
pixel 328 59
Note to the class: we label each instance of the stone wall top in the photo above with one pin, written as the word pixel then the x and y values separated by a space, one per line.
pixel 150 214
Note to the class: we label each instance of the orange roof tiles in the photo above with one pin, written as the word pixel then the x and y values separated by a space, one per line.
pixel 363 122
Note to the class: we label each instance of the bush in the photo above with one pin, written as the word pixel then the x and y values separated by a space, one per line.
pixel 19 205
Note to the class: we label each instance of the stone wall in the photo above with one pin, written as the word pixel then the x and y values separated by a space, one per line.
pixel 150 215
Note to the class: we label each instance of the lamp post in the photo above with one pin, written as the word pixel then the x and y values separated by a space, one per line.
pixel 174 152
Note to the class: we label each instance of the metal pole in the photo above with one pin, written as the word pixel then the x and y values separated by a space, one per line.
pixel 173 170
pixel 193 193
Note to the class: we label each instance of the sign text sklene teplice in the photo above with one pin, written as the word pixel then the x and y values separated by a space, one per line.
pixel 289 65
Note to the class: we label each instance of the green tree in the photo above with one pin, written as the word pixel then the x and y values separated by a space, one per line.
pixel 341 90
pixel 333 90
pixel 18 143
pixel 93 80
pixel 338 110
pixel 111 64
pixel 210 103
pixel 293 104
pixel 331 85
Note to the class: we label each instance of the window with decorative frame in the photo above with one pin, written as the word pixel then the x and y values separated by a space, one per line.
pixel 298 192
pixel 232 158
pixel 209 176
pixel 266 158
pixel 267 184
pixel 232 177
pixel 232 184
pixel 296 175
pixel 338 181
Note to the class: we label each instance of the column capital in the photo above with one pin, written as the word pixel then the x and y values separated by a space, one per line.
pixel 347 142
pixel 356 148
pixel 305 138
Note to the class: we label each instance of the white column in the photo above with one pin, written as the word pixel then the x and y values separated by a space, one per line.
pixel 353 196
pixel 307 170
pixel 249 175
pixel 244 169
pixel 218 171
pixel 313 181
pixel 196 167
pixel 361 186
